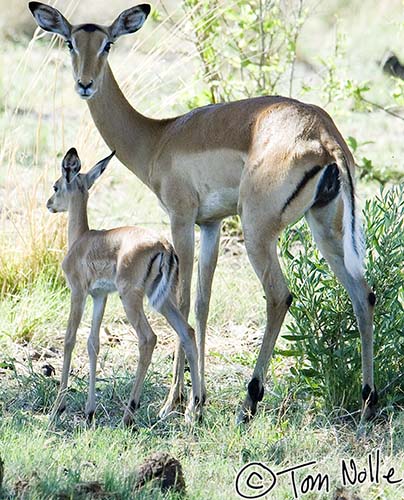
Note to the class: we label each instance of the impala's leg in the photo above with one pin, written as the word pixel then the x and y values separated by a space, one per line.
pixel 147 341
pixel 325 223
pixel 187 337
pixel 183 239
pixel 77 303
pixel 93 348
pixel 260 206
pixel 209 249
pixel 261 248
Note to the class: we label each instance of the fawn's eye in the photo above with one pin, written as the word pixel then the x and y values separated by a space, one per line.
pixel 69 45
pixel 107 47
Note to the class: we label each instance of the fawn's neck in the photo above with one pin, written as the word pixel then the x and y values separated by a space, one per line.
pixel 78 221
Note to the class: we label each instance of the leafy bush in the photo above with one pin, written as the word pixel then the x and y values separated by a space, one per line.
pixel 245 48
pixel 323 334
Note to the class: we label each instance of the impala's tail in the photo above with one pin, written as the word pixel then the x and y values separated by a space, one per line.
pixel 166 263
pixel 353 238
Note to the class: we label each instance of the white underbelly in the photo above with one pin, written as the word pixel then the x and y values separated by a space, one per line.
pixel 215 175
pixel 104 286
pixel 218 204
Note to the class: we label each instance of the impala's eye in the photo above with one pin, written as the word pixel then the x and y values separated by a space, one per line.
pixel 69 45
pixel 107 47
pixel 56 189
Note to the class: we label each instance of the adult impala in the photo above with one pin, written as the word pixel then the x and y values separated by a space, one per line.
pixel 270 159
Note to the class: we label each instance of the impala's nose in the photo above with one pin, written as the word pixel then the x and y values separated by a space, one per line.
pixel 85 89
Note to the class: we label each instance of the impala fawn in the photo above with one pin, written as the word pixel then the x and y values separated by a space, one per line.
pixel 130 260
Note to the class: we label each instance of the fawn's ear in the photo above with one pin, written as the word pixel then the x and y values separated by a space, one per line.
pixel 50 19
pixel 129 21
pixel 71 165
pixel 93 174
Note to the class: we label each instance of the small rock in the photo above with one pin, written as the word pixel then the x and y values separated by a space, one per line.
pixel 7 365
pixel 164 470
pixel 112 339
pixel 51 352
pixel 48 370
pixel 392 66
pixel 343 494
pixel 35 355
pixel 90 488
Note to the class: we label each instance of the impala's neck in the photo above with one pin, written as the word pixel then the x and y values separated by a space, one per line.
pixel 78 221
pixel 132 135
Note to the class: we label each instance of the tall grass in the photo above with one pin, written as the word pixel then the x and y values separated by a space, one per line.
pixel 42 116
pixel 31 243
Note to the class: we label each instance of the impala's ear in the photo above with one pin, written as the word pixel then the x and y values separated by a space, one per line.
pixel 93 174
pixel 129 21
pixel 71 165
pixel 50 19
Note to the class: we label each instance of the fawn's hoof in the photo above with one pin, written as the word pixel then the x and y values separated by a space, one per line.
pixel 56 413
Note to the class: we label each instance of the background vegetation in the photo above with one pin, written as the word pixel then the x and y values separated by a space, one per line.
pixel 193 53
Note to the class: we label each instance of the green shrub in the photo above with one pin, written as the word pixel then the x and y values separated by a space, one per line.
pixel 323 334
pixel 246 48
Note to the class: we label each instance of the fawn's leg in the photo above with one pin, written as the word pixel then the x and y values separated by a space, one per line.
pixel 147 341
pixel 187 337
pixel 77 303
pixel 93 348
pixel 183 239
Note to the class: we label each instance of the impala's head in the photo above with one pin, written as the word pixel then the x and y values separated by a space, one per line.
pixel 72 182
pixel 89 44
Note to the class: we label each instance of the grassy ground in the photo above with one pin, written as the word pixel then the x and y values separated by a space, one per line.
pixel 40 119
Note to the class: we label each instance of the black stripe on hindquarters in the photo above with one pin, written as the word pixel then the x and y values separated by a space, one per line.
pixel 328 187
pixel 172 261
pixel 159 275
pixel 307 177
pixel 149 267
pixel 172 265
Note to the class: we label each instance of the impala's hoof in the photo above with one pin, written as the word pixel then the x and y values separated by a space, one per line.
pixel 255 393
pixel 128 416
pixel 245 415
pixel 90 417
pixel 194 412
pixel 128 421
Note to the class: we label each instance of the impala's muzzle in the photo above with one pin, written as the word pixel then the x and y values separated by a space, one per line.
pixel 49 206
pixel 86 90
